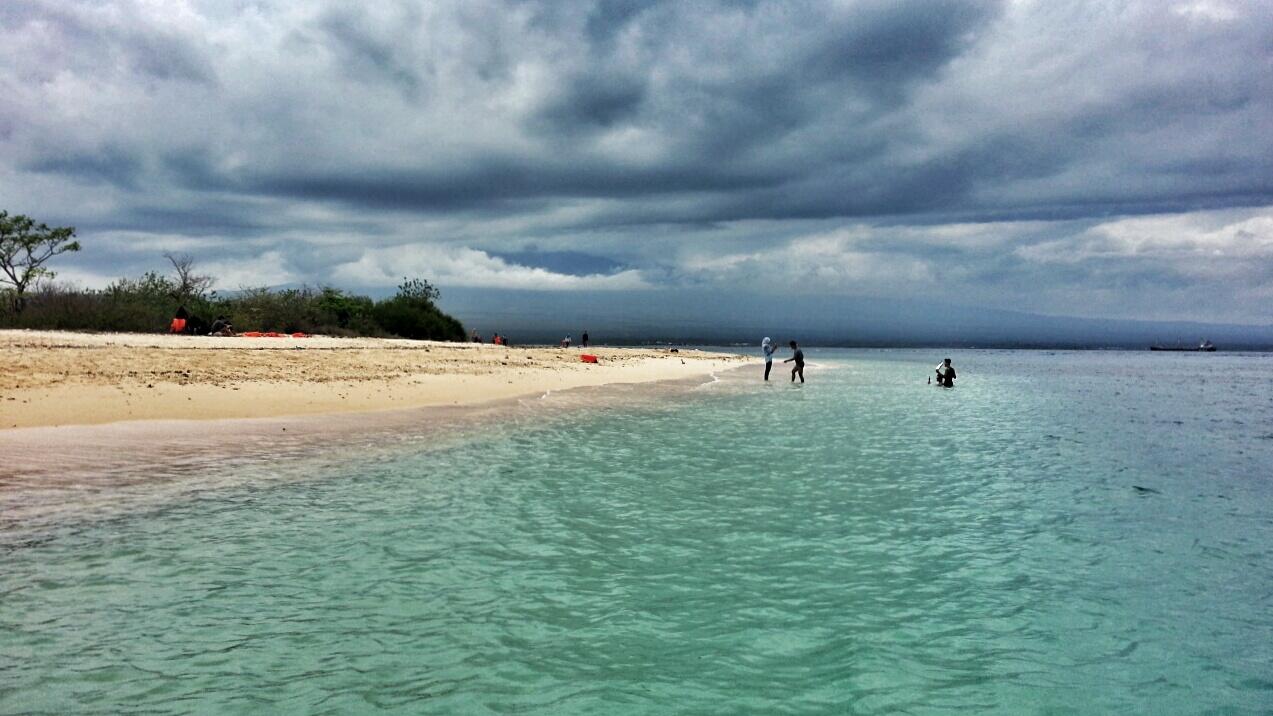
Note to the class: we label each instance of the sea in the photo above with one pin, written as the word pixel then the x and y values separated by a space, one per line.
pixel 1060 533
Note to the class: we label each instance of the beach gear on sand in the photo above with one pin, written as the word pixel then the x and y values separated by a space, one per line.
pixel 588 358
pixel 273 334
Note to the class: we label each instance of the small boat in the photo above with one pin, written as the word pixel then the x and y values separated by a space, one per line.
pixel 1204 347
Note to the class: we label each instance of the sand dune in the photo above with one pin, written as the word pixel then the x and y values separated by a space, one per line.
pixel 61 378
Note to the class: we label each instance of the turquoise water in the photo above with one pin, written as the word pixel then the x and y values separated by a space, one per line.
pixel 864 543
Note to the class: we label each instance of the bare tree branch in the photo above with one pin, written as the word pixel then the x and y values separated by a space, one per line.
pixel 189 284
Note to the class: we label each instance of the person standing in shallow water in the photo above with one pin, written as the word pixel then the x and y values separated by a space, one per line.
pixel 768 349
pixel 798 357
pixel 946 374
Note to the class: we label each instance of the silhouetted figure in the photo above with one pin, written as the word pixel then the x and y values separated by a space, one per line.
pixel 178 324
pixel 946 374
pixel 583 340
pixel 798 357
pixel 221 327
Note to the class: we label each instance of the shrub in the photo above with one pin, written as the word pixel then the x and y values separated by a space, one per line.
pixel 412 314
pixel 147 304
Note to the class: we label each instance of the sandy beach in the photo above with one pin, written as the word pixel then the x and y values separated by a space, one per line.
pixel 61 378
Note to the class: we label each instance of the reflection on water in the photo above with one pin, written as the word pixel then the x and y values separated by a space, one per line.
pixel 863 543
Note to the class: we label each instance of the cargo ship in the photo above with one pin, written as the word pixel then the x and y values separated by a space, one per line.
pixel 1204 347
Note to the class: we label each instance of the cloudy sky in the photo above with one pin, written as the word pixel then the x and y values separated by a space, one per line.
pixel 1082 158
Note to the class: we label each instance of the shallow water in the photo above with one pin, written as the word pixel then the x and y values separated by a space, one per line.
pixel 865 543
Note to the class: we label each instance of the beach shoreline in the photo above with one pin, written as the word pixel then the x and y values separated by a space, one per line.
pixel 74 379
pixel 66 473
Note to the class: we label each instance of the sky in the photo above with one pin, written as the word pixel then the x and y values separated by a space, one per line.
pixel 1096 159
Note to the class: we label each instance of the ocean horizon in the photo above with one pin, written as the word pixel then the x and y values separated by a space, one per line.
pixel 1062 532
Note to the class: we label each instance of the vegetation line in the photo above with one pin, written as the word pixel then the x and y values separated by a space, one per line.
pixel 32 299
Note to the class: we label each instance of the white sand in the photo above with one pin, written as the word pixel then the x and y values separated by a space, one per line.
pixel 60 378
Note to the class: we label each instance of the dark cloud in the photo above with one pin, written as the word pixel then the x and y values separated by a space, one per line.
pixel 368 55
pixel 109 165
pixel 687 142
pixel 594 101
pixel 496 182
pixel 884 46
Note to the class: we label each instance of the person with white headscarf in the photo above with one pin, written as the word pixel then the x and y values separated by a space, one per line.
pixel 768 348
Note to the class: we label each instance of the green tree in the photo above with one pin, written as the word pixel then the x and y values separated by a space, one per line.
pixel 343 309
pixel 412 314
pixel 24 248
pixel 419 291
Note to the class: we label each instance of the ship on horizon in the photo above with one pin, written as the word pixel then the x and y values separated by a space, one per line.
pixel 1204 347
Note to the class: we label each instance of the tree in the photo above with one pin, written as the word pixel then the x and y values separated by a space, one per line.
pixel 418 290
pixel 189 284
pixel 412 314
pixel 24 248
pixel 342 308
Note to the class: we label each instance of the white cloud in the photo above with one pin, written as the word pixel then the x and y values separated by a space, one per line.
pixel 1213 10
pixel 463 266
pixel 1191 242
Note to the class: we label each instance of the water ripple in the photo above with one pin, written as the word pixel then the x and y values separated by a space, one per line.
pixel 864 544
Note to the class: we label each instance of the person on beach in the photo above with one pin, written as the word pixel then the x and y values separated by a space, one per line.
pixel 179 319
pixel 565 342
pixel 476 337
pixel 583 340
pixel 946 374
pixel 767 347
pixel 798 357
pixel 221 327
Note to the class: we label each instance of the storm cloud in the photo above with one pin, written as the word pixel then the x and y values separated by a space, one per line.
pixel 1085 158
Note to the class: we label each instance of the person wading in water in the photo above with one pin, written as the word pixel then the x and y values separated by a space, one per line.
pixel 798 357
pixel 768 349
pixel 946 374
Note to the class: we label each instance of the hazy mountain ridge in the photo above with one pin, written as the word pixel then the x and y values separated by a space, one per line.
pixel 707 317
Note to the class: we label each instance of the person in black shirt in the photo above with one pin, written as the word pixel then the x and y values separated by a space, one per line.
pixel 946 374
pixel 798 357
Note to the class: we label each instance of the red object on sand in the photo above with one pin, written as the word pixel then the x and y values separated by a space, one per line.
pixel 251 334
pixel 588 358
pixel 298 334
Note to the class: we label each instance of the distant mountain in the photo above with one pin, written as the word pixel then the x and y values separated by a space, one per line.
pixel 712 317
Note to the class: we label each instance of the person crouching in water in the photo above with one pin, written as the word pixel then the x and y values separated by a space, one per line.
pixel 946 374
pixel 798 357
pixel 768 349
